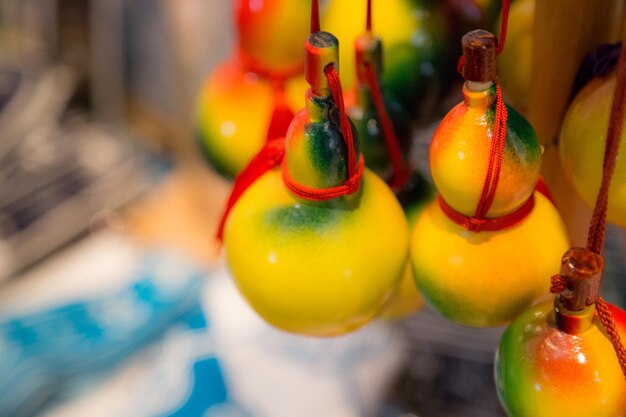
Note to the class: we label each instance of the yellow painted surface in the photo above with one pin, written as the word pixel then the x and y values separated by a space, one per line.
pixel 582 144
pixel 233 114
pixel 487 278
pixel 323 275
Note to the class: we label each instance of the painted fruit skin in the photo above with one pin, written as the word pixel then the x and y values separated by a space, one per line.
pixel 515 62
pixel 413 32
pixel 273 32
pixel 459 156
pixel 544 372
pixel 233 113
pixel 582 143
pixel 487 278
pixel 317 269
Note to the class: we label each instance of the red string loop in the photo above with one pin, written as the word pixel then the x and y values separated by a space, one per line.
pixel 482 224
pixel 355 168
pixel 479 222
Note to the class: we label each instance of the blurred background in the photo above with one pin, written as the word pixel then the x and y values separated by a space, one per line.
pixel 114 300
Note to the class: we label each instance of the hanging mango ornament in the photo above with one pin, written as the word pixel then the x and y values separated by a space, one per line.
pixel 254 94
pixel 385 130
pixel 416 59
pixel 581 146
pixel 556 358
pixel 481 253
pixel 319 247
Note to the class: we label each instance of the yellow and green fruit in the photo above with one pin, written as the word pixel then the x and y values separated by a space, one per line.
pixel 542 371
pixel 317 268
pixel 233 113
pixel 582 144
pixel 460 150
pixel 487 278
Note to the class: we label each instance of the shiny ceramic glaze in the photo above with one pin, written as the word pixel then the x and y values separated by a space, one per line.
pixel 272 32
pixel 542 371
pixel 233 113
pixel 487 278
pixel 459 156
pixel 414 34
pixel 582 144
pixel 317 268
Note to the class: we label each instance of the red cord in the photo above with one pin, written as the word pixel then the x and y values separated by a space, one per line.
pixel 273 153
pixel 269 157
pixel 355 168
pixel 401 173
pixel 597 227
pixel 482 224
pixel 496 154
pixel 315 16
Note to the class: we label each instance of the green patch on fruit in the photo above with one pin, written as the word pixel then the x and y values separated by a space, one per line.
pixel 304 217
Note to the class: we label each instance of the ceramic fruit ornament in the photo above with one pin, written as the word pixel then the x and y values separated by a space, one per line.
pixel 556 358
pixel 416 45
pixel 319 247
pixel 385 130
pixel 483 251
pixel 259 86
pixel 582 146
pixel 569 358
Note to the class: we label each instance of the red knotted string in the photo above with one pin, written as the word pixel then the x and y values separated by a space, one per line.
pixel 479 222
pixel 272 154
pixel 355 168
pixel 597 227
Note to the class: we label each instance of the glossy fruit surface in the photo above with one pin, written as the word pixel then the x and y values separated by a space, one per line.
pixel 460 149
pixel 414 37
pixel 233 113
pixel 317 269
pixel 542 371
pixel 582 143
pixel 273 32
pixel 487 278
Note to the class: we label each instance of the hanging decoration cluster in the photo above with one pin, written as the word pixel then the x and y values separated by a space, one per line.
pixel 316 228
